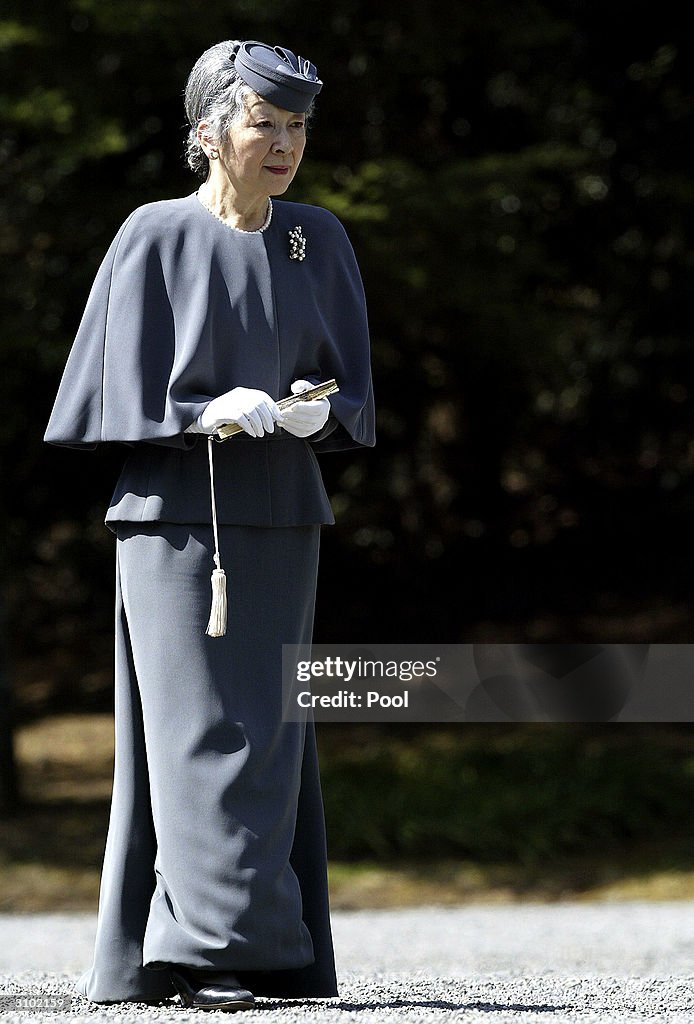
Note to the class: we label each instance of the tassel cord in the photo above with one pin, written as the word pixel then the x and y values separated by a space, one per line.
pixel 215 527
pixel 218 613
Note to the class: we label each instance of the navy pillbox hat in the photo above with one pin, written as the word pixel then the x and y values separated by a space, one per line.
pixel 277 75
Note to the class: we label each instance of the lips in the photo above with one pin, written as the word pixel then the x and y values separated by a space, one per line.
pixel 278 170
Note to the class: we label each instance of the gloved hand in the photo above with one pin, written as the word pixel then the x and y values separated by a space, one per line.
pixel 253 410
pixel 304 418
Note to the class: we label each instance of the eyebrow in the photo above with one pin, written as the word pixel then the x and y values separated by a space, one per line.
pixel 261 103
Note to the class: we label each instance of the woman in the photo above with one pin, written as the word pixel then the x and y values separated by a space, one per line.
pixel 207 310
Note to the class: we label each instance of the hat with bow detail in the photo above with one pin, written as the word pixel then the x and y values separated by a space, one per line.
pixel 278 75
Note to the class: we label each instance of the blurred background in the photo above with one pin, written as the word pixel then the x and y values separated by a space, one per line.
pixel 517 182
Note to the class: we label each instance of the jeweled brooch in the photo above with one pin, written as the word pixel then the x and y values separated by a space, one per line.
pixel 297 244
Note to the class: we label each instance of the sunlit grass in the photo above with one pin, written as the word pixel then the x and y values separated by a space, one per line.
pixel 413 815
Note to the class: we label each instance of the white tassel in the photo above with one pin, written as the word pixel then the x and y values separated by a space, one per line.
pixel 217 626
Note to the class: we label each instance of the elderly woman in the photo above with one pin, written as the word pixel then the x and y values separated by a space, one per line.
pixel 207 310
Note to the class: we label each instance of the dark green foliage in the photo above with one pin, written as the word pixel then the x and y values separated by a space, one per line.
pixel 528 795
pixel 516 182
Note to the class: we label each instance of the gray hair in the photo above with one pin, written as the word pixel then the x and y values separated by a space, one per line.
pixel 214 93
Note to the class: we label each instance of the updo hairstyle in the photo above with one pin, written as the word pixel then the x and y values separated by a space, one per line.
pixel 214 93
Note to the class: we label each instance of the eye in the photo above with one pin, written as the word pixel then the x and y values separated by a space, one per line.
pixel 263 124
pixel 298 124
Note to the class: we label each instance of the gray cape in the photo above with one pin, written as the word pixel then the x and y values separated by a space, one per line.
pixel 185 308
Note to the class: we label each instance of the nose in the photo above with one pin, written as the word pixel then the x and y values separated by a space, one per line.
pixel 283 142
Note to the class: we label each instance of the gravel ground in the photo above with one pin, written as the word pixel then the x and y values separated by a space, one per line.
pixel 563 962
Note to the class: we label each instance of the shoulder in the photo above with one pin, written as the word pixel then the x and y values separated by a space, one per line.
pixel 326 231
pixel 314 217
pixel 155 223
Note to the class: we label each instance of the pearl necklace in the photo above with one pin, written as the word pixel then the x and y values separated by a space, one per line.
pixel 243 231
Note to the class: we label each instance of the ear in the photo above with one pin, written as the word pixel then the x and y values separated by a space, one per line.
pixel 206 139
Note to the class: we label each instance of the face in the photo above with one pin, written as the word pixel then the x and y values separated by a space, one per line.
pixel 263 149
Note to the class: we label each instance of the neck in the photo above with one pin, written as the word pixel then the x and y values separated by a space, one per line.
pixel 243 212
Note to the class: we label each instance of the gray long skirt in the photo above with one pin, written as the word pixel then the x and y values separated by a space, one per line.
pixel 215 855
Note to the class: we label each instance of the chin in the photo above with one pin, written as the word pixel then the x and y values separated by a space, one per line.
pixel 280 188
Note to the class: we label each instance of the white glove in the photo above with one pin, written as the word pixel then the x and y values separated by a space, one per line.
pixel 305 418
pixel 253 410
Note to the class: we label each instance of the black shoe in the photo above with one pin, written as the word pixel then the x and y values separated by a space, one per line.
pixel 210 990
